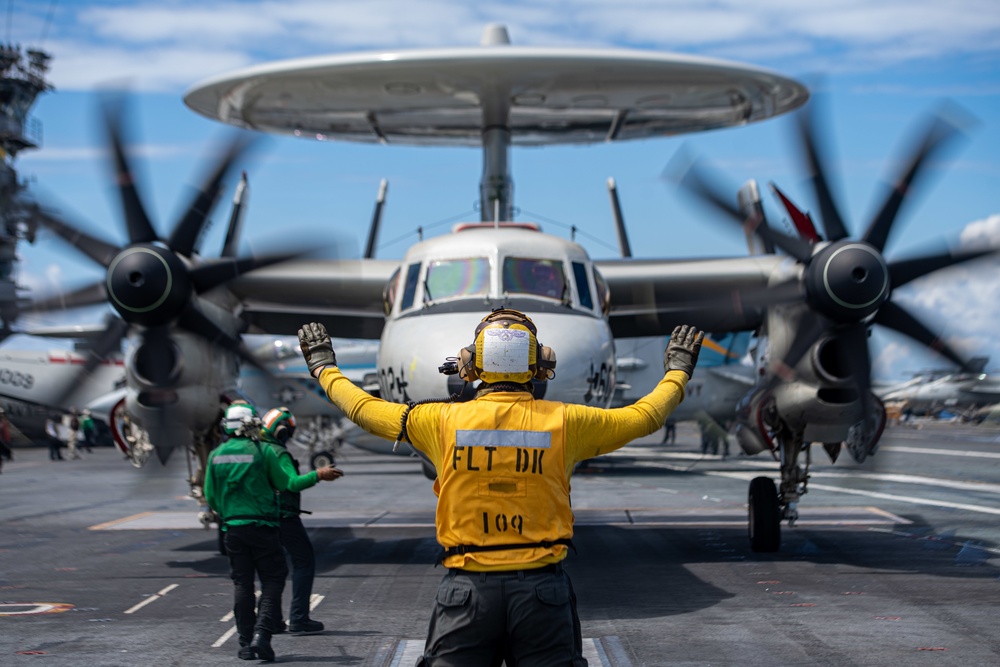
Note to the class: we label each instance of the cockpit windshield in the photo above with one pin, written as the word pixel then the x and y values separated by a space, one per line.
pixel 448 278
pixel 541 277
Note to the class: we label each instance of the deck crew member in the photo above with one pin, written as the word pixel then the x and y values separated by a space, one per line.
pixel 278 428
pixel 503 465
pixel 240 486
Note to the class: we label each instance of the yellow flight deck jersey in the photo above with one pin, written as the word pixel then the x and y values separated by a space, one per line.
pixel 504 461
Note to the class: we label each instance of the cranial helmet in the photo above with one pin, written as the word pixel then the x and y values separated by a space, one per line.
pixel 506 349
pixel 237 416
pixel 279 423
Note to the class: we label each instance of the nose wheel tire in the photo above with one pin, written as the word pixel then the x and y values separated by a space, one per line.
pixel 321 460
pixel 764 516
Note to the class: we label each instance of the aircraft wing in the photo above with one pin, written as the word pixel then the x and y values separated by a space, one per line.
pixel 651 297
pixel 343 295
pixel 744 379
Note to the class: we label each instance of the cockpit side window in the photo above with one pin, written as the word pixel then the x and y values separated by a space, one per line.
pixel 410 286
pixel 582 285
pixel 449 278
pixel 389 292
pixel 603 292
pixel 541 277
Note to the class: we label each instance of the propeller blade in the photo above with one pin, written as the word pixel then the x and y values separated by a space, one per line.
pixel 899 319
pixel 852 350
pixel 140 229
pixel 376 224
pixel 184 238
pixel 231 244
pixel 195 321
pixel 219 271
pixel 833 223
pixel 695 180
pixel 811 328
pixel 97 250
pixel 616 211
pixel 97 351
pixel 88 295
pixel 938 132
pixel 903 271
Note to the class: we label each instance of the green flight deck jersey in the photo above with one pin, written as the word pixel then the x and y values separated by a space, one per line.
pixel 242 478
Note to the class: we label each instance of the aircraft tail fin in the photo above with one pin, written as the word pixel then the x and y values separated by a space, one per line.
pixel 724 349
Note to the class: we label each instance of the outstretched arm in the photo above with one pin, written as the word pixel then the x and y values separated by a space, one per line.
pixel 374 415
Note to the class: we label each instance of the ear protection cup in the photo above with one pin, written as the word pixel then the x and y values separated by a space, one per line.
pixel 545 366
pixel 467 364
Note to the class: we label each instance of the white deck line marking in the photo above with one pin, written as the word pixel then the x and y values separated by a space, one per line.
pixel 910 499
pixel 985 487
pixel 151 598
pixel 224 638
pixel 982 509
pixel 314 600
pixel 940 452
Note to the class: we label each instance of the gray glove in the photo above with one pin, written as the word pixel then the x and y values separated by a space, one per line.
pixel 316 346
pixel 682 350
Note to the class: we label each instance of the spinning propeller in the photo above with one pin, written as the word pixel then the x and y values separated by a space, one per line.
pixel 846 284
pixel 156 283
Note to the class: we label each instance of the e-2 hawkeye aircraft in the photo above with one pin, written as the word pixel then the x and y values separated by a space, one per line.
pixel 813 306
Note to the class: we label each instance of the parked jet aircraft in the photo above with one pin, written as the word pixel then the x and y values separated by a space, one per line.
pixel 961 393
pixel 813 307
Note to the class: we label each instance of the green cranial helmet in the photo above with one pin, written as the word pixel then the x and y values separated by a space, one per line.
pixel 279 423
pixel 237 416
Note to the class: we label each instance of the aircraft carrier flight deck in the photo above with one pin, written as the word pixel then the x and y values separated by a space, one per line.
pixel 893 562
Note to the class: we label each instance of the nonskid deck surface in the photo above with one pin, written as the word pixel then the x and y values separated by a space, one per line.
pixel 101 564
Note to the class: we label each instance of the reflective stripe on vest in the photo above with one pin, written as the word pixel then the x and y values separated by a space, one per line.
pixel 233 458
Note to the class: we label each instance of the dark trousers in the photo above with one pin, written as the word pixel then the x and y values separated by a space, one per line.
pixel 295 541
pixel 527 618
pixel 54 453
pixel 256 550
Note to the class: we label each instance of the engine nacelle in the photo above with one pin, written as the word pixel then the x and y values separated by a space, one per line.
pixel 175 380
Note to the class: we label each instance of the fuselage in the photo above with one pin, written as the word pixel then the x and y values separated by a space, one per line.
pixel 446 285
pixel 31 382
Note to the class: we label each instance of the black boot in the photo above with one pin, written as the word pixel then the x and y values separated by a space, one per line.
pixel 306 627
pixel 262 645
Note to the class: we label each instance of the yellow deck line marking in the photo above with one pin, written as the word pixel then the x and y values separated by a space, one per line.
pixel 108 524
pixel 151 598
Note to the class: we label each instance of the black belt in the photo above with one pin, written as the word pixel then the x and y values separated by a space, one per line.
pixel 471 548
pixel 551 568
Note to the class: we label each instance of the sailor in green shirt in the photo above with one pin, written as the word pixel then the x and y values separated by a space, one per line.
pixel 240 483
pixel 278 429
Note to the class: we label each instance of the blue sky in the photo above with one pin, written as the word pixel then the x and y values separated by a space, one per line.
pixel 878 66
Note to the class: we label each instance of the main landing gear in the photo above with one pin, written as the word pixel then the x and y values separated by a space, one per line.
pixel 769 505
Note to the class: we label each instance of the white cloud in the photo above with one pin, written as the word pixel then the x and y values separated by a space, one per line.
pixel 171 44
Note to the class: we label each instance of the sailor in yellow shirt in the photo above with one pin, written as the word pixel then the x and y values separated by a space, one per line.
pixel 503 465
